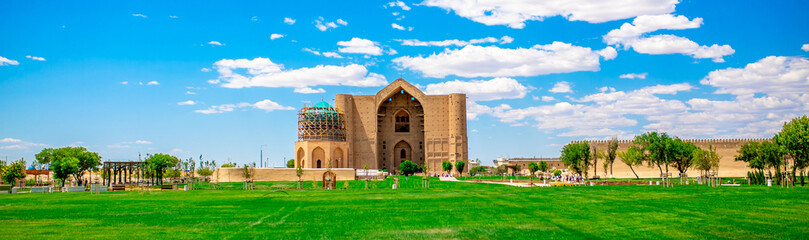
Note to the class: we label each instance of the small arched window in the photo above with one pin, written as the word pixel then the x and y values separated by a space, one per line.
pixel 318 163
pixel 403 154
pixel 402 121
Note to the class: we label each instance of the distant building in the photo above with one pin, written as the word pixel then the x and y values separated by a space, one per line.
pixel 381 131
pixel 472 164
pixel 510 163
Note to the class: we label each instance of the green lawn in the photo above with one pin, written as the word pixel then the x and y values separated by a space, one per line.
pixel 447 210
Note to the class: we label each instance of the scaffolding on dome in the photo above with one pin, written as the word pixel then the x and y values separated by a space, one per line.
pixel 321 122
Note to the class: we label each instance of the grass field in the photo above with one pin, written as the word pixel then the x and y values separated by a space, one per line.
pixel 446 210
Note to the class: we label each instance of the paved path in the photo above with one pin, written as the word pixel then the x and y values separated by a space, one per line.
pixel 451 179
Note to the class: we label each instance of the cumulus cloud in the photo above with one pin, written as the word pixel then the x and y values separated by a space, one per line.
pixel 359 45
pixel 397 26
pixel 289 21
pixel 205 69
pixel 561 87
pixel 548 98
pixel 773 75
pixel 139 15
pixel 307 90
pixel 805 47
pixel 276 36
pixel 492 61
pixel 454 42
pixel 189 102
pixel 632 36
pixel 322 25
pixel 515 13
pixel 6 61
pixel 332 55
pixel 174 17
pixel 215 43
pixel 262 72
pixel 35 58
pixel 633 76
pixel 265 105
pixel 481 90
pixel 153 83
pixel 399 4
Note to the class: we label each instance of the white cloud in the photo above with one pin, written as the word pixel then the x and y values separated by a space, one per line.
pixel 397 26
pixel 492 61
pixel 561 87
pixel 454 42
pixel 172 16
pixel 633 76
pixel 142 142
pixel 265 105
pixel 515 13
pixel 124 82
pixel 205 69
pixel 190 92
pixel 276 36
pixel 153 83
pixel 13 143
pixel 189 102
pixel 139 15
pixel 254 19
pixel 315 52
pixel 215 43
pixel 481 90
pixel 399 4
pixel 548 98
pixel 322 25
pixel 262 72
pixel 631 36
pixel 332 55
pixel 308 90
pixel 774 76
pixel 289 21
pixel 361 46
pixel 35 58
pixel 608 53
pixel 805 47
pixel 6 61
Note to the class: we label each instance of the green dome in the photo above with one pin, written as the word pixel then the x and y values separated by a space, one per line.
pixel 322 104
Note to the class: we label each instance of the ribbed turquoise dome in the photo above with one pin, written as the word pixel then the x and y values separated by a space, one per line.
pixel 322 104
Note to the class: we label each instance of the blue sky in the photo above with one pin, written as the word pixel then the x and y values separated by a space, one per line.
pixel 222 79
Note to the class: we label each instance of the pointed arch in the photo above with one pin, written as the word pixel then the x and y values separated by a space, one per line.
pixel 318 155
pixel 301 155
pixel 339 158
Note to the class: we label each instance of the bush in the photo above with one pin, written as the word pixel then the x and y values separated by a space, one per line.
pixel 408 168
pixel 30 182
pixel 557 172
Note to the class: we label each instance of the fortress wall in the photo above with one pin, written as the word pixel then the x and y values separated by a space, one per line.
pixel 726 148
pixel 281 174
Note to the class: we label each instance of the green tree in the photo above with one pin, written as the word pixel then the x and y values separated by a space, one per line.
pixel 87 161
pixel 577 157
pixel 681 154
pixel 159 163
pixel 750 154
pixel 459 165
pixel 655 147
pixel 408 168
pixel 543 167
pixel 595 155
pixel 291 163
pixel 299 173
pixel 612 151
pixel 794 139
pixel 773 155
pixel 447 166
pixel 706 160
pixel 533 167
pixel 14 171
pixel 63 167
pixel 633 156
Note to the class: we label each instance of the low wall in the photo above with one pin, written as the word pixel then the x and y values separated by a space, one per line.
pixel 280 174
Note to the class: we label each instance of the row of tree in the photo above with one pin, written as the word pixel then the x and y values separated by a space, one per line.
pixel 785 154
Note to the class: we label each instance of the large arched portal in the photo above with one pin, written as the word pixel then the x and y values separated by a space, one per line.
pixel 400 119
pixel 318 156
pixel 300 157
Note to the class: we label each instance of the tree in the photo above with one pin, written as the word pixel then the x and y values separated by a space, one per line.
pixel 632 157
pixel 14 172
pixel 772 154
pixel 577 157
pixel 459 165
pixel 291 163
pixel 595 156
pixel 543 167
pixel 159 163
pixel 681 154
pixel 299 173
pixel 612 150
pixel 408 168
pixel 655 149
pixel 533 167
pixel 63 167
pixel 794 139
pixel 87 161
pixel 447 166
pixel 750 153
pixel 706 160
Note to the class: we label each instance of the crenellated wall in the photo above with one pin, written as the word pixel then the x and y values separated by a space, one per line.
pixel 726 148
